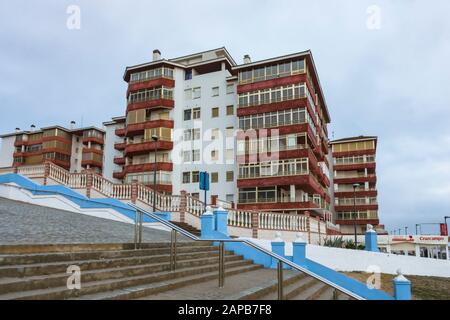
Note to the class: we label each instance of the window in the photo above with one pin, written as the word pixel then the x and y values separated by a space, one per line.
pixel 195 177
pixel 214 134
pixel 186 177
pixel 230 88
pixel 196 155
pixel 214 177
pixel 230 176
pixel 186 156
pixel 230 110
pixel 215 112
pixel 215 91
pixel 187 114
pixel 188 94
pixel 214 155
pixel 196 93
pixel 196 133
pixel 230 197
pixel 229 155
pixel 229 132
pixel 187 135
pixel 188 74
pixel 196 113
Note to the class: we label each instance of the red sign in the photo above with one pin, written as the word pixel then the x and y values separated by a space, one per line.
pixel 444 230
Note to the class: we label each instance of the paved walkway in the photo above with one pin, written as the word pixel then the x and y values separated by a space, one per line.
pixel 22 223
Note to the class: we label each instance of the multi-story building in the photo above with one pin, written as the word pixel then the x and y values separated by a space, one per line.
pixel 198 104
pixel 74 149
pixel 259 128
pixel 354 178
pixel 282 150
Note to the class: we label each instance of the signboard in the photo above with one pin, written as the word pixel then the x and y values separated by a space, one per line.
pixel 204 180
pixel 444 230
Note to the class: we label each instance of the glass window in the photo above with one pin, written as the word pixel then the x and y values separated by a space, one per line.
pixel 230 88
pixel 196 93
pixel 187 114
pixel 195 177
pixel 230 110
pixel 215 91
pixel 196 113
pixel 230 176
pixel 188 74
pixel 215 112
pixel 186 177
pixel 214 177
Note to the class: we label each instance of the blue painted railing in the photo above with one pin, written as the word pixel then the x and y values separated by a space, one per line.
pixel 82 201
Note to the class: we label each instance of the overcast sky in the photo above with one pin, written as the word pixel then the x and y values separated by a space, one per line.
pixel 385 71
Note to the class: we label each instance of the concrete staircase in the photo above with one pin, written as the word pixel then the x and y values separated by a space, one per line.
pixel 189 228
pixel 117 271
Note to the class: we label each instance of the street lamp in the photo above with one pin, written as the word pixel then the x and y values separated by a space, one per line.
pixel 155 138
pixel 355 185
pixel 406 231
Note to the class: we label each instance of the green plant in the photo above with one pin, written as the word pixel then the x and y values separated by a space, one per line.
pixel 336 242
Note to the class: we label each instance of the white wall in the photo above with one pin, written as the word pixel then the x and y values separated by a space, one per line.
pixel 6 151
pixel 360 260
pixel 109 152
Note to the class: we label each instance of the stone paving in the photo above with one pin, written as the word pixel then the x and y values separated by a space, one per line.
pixel 22 223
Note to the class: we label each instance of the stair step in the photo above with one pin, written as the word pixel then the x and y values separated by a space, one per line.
pixel 314 289
pixel 269 287
pixel 148 290
pixel 23 259
pixel 47 281
pixel 28 270
pixel 104 285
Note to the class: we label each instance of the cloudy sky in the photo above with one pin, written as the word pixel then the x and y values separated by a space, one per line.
pixel 384 68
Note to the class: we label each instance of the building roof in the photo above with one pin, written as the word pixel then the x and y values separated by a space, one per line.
pixel 74 130
pixel 351 139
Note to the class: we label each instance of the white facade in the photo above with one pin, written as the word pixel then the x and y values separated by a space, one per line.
pixel 109 152
pixel 7 150
pixel 212 91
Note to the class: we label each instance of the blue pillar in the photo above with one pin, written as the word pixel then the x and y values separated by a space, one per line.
pixel 207 225
pixel 371 241
pixel 402 287
pixel 221 221
pixel 278 248
pixel 299 251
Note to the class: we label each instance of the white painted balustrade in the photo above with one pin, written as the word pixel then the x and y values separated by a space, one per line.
pixel 32 171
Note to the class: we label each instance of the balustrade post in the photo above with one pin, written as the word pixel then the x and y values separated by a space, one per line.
pixel 308 225
pixel 182 205
pixel 255 224
pixel 46 172
pixel 134 190
pixel 89 180
pixel 318 228
pixel 16 169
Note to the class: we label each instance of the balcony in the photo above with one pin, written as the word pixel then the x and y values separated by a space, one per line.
pixel 118 175
pixel 276 206
pixel 92 163
pixel 119 160
pixel 93 139
pixel 139 128
pixel 146 167
pixel 120 146
pixel 120 132
pixel 340 179
pixel 361 217
pixel 147 146
pixel 151 104
pixel 151 83
pixel 355 166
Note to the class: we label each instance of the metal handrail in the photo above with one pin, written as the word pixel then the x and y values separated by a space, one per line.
pixel 254 245
pixel 281 260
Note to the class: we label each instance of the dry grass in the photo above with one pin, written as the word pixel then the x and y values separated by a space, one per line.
pixel 423 288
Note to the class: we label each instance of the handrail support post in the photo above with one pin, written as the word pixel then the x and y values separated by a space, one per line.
pixel 221 264
pixel 280 279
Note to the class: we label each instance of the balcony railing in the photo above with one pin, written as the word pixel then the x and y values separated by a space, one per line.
pixel 359 215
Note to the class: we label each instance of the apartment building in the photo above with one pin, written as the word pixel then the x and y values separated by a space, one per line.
pixel 74 149
pixel 189 104
pixel 355 192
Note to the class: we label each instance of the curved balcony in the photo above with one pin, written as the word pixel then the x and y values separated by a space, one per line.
pixel 354 166
pixel 120 146
pixel 118 175
pixel 96 140
pixel 272 206
pixel 271 83
pixel 119 160
pixel 151 83
pixel 151 104
pixel 120 132
pixel 350 180
pixel 146 167
pixel 357 207
pixel 147 146
pixel 139 128
pixel 92 163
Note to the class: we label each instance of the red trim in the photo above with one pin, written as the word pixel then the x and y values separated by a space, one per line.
pixel 277 206
pixel 93 139
pixel 307 183
pixel 275 106
pixel 145 167
pixel 357 207
pixel 356 166
pixel 145 147
pixel 119 160
pixel 92 163
pixel 120 132
pixel 158 82
pixel 92 150
pixel 361 193
pixel 151 104
pixel 372 179
pixel 354 153
pixel 271 83
pixel 120 146
pixel 138 128
pixel 359 222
